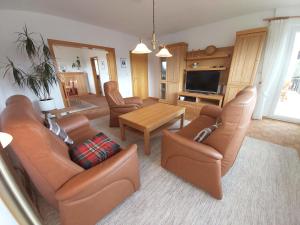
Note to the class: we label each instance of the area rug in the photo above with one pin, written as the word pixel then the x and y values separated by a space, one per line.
pixel 263 187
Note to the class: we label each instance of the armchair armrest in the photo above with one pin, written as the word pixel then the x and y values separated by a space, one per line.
pixel 189 148
pixel 133 100
pixel 73 122
pixel 195 162
pixel 211 111
pixel 124 108
pixel 122 166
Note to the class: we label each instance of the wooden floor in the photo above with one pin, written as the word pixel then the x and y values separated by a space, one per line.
pixel 278 132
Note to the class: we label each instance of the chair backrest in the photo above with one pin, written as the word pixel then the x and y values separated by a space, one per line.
pixel 235 118
pixel 42 154
pixel 112 93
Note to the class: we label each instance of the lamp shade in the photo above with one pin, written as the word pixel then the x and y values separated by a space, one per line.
pixel 164 52
pixel 5 139
pixel 141 48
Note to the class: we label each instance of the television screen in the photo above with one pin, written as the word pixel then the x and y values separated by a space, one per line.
pixel 202 81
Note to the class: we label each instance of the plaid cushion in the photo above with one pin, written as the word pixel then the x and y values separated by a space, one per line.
pixel 94 151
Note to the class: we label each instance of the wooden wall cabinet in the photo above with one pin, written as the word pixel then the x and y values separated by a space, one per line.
pixel 245 60
pixel 193 102
pixel 172 73
pixel 74 83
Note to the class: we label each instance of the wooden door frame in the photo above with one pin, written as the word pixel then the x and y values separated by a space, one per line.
pixel 111 60
pixel 132 81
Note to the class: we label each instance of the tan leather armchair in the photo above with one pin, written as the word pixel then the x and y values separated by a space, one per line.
pixel 204 164
pixel 82 196
pixel 117 104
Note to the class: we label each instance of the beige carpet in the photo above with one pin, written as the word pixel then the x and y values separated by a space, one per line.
pixel 263 187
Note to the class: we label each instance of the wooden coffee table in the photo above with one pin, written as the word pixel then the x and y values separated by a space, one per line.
pixel 149 119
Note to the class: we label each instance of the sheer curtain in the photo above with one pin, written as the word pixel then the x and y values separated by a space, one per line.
pixel 274 63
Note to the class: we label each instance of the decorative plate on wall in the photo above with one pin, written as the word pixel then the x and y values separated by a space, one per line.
pixel 211 49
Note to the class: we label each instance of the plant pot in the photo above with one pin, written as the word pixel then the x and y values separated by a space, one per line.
pixel 47 105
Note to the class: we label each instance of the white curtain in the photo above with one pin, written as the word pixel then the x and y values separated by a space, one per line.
pixel 274 63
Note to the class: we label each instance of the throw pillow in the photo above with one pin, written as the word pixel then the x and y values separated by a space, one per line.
pixel 203 134
pixel 58 131
pixel 94 151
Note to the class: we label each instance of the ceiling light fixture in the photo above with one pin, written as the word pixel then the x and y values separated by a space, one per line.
pixel 141 48
pixel 164 53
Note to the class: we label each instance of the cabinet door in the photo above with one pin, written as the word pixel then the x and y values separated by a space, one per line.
pixel 163 69
pixel 231 91
pixel 82 83
pixel 172 92
pixel 174 64
pixel 246 57
pixel 163 91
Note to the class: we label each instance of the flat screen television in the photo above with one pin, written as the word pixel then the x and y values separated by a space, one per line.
pixel 202 81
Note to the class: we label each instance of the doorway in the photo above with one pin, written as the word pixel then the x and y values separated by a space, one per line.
pixel 96 74
pixel 81 68
pixel 139 71
pixel 288 103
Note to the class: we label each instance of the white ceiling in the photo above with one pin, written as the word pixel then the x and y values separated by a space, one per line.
pixel 135 16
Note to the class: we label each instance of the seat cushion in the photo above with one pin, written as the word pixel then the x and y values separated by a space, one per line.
pixel 94 151
pixel 193 128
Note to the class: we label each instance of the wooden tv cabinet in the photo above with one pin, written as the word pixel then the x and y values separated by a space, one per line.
pixel 193 102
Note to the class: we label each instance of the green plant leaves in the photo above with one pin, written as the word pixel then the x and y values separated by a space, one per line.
pixel 45 49
pixel 25 42
pixel 18 74
pixel 34 85
pixel 42 75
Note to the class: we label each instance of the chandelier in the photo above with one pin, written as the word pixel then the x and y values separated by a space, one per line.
pixel 141 48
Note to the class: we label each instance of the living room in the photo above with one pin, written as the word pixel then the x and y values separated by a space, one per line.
pixel 190 119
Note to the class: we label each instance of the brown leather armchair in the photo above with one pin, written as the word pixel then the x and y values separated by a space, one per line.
pixel 203 164
pixel 82 196
pixel 117 104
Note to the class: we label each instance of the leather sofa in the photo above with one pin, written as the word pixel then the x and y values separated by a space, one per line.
pixel 82 197
pixel 204 164
pixel 117 104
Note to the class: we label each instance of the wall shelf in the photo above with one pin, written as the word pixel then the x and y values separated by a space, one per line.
pixel 201 57
pixel 199 68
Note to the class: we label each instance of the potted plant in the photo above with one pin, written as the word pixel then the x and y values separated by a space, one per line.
pixel 41 74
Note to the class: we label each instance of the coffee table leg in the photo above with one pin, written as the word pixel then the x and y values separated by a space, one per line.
pixel 147 142
pixel 122 130
pixel 182 120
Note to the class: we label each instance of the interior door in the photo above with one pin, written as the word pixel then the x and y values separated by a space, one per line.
pixel 96 75
pixel 139 71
